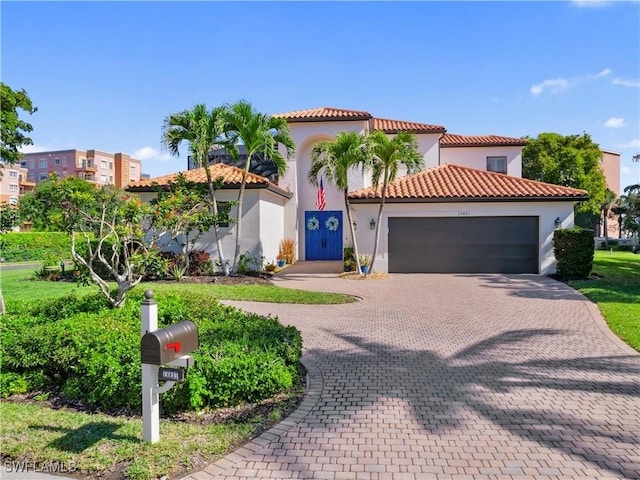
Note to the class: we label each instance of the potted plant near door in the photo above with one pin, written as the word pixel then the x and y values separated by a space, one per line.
pixel 365 262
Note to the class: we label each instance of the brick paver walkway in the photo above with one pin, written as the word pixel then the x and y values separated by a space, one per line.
pixel 452 377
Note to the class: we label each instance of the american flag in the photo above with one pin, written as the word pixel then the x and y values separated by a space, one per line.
pixel 321 200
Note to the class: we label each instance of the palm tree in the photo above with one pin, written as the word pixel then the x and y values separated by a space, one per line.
pixel 202 129
pixel 335 158
pixel 387 155
pixel 260 134
pixel 609 201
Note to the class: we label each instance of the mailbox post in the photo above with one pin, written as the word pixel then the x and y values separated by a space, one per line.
pixel 150 395
pixel 168 346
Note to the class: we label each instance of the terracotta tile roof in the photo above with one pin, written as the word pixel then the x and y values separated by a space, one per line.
pixel 453 182
pixel 395 126
pixel 323 114
pixel 451 140
pixel 232 178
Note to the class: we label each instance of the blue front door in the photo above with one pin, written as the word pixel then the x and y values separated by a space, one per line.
pixel 323 235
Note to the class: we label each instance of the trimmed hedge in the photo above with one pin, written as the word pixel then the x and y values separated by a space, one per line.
pixel 91 353
pixel 574 249
pixel 34 246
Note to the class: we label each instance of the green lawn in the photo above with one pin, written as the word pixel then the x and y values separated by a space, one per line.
pixel 17 286
pixel 103 446
pixel 617 292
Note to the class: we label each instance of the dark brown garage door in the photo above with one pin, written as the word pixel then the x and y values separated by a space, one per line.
pixel 463 245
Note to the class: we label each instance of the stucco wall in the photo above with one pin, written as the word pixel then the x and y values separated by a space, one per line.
pixel 476 157
pixel 306 135
pixel 546 211
pixel 262 226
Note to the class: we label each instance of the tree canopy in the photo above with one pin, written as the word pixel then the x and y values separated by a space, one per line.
pixel 570 161
pixel 44 206
pixel 13 129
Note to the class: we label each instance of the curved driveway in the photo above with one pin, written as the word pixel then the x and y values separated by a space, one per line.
pixel 451 377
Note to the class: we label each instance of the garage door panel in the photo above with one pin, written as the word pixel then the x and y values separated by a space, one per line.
pixel 463 245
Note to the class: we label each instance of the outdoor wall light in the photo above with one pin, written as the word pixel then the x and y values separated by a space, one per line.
pixel 372 224
pixel 558 222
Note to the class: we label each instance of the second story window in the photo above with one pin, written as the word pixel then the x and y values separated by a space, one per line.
pixel 13 174
pixel 56 161
pixel 43 163
pixel 497 164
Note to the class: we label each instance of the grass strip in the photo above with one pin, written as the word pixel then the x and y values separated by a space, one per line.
pixel 615 288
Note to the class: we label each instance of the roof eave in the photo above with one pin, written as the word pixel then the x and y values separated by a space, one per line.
pixel 251 186
pixel 467 199
pixel 327 119
pixel 478 144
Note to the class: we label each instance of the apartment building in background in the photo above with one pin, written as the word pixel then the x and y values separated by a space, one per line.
pixel 13 183
pixel 99 168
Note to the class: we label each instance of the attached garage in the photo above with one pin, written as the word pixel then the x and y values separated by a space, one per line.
pixel 463 245
pixel 454 219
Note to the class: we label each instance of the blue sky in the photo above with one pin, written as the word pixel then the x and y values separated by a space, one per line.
pixel 105 74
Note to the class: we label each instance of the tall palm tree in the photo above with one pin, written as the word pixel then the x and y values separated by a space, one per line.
pixel 260 134
pixel 387 155
pixel 202 129
pixel 335 158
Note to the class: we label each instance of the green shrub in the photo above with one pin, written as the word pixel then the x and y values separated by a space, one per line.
pixel 91 353
pixel 573 249
pixel 51 259
pixel 200 263
pixel 33 246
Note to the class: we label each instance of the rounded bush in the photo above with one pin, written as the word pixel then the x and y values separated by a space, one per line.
pixel 91 353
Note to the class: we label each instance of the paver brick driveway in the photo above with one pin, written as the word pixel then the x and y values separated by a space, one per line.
pixel 460 377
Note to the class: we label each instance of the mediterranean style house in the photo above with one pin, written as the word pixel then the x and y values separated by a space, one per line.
pixel 468 211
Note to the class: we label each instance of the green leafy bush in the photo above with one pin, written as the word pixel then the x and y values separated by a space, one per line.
pixel 33 246
pixel 574 249
pixel 91 353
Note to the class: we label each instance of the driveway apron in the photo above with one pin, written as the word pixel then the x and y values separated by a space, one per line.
pixel 451 377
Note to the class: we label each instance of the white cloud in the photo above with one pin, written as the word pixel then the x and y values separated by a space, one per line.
pixel 603 73
pixel 150 153
pixel 632 144
pixel 626 83
pixel 614 122
pixel 591 3
pixel 554 85
pixel 625 170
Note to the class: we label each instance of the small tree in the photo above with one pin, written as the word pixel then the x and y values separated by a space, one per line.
pixel 630 204
pixel 112 229
pixel 183 208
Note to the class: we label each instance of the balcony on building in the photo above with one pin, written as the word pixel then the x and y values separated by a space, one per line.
pixel 85 165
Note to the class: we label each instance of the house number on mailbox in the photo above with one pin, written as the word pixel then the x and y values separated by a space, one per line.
pixel 464 214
